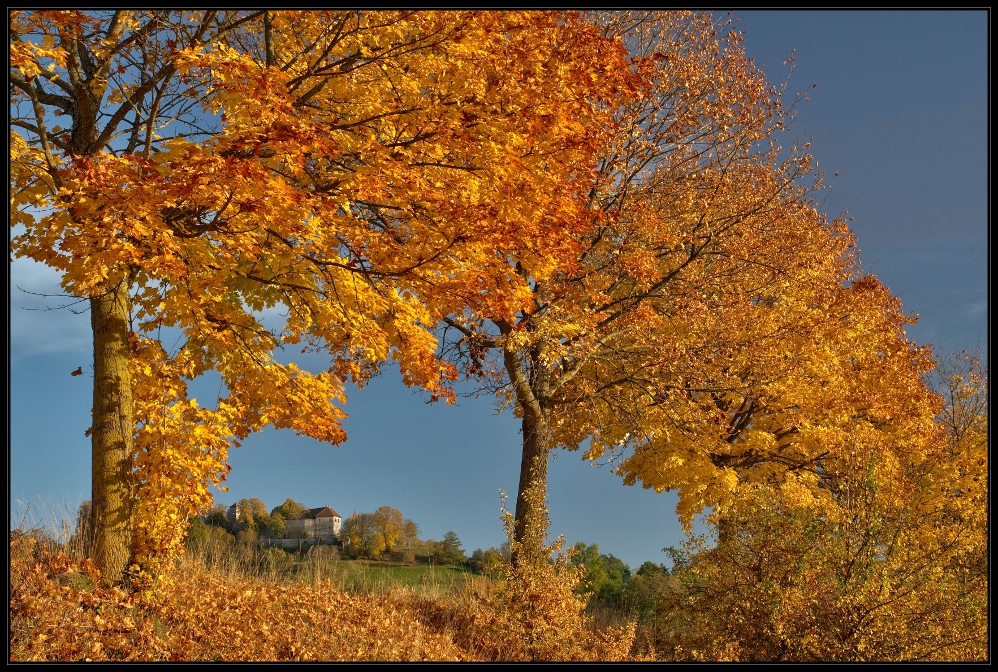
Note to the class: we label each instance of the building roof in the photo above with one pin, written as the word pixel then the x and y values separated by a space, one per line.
pixel 323 512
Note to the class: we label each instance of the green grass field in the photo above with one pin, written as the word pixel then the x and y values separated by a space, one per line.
pixel 353 576
pixel 364 576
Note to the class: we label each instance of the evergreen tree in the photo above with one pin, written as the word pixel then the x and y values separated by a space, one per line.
pixel 451 551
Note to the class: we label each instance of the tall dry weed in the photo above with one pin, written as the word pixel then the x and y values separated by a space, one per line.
pixel 230 611
pixel 59 612
pixel 531 612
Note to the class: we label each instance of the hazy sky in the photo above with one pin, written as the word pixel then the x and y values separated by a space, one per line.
pixel 900 112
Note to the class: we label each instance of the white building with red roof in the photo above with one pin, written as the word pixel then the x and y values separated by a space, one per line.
pixel 321 524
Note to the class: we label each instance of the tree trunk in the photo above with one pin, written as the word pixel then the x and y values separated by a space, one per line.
pixel 531 495
pixel 113 427
pixel 530 522
pixel 268 39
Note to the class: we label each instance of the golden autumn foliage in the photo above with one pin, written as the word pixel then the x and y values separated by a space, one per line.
pixel 57 614
pixel 590 214
pixel 537 598
pixel 852 385
pixel 531 612
pixel 896 571
pixel 371 535
pixel 789 585
pixel 704 274
pixel 252 181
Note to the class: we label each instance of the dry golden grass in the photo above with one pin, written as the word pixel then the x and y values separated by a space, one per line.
pixel 58 612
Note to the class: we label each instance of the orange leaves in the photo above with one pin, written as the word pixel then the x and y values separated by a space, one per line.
pixel 196 616
pixel 686 309
pixel 606 219
pixel 363 189
pixel 58 612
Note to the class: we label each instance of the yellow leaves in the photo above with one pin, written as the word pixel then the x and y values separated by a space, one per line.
pixel 787 578
pixel 640 264
pixel 23 57
pixel 536 613
pixel 30 58
pixel 877 542
pixel 796 492
pixel 180 448
pixel 423 165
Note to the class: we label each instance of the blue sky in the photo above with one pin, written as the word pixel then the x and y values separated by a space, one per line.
pixel 900 112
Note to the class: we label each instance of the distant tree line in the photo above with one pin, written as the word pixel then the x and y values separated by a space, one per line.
pixel 387 534
pixel 379 535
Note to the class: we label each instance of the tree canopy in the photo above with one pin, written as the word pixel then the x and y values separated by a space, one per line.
pixel 372 535
pixel 589 213
pixel 695 290
pixel 290 510
pixel 330 180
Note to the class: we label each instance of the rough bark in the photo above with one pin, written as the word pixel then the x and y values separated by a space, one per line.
pixel 532 398
pixel 268 39
pixel 533 473
pixel 111 441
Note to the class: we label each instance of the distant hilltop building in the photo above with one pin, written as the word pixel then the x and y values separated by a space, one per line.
pixel 322 524
pixel 234 516
pixel 319 525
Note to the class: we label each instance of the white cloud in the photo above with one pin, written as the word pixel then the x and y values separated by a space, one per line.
pixel 41 316
pixel 976 309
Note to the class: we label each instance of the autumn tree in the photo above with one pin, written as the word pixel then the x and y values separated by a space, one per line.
pixel 962 380
pixel 289 510
pixel 486 562
pixel 279 515
pixel 959 499
pixel 192 172
pixel 854 389
pixel 360 538
pixel 787 583
pixel 828 553
pixel 897 570
pixel 75 66
pixel 252 515
pixel 371 535
pixel 701 265
pixel 394 528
